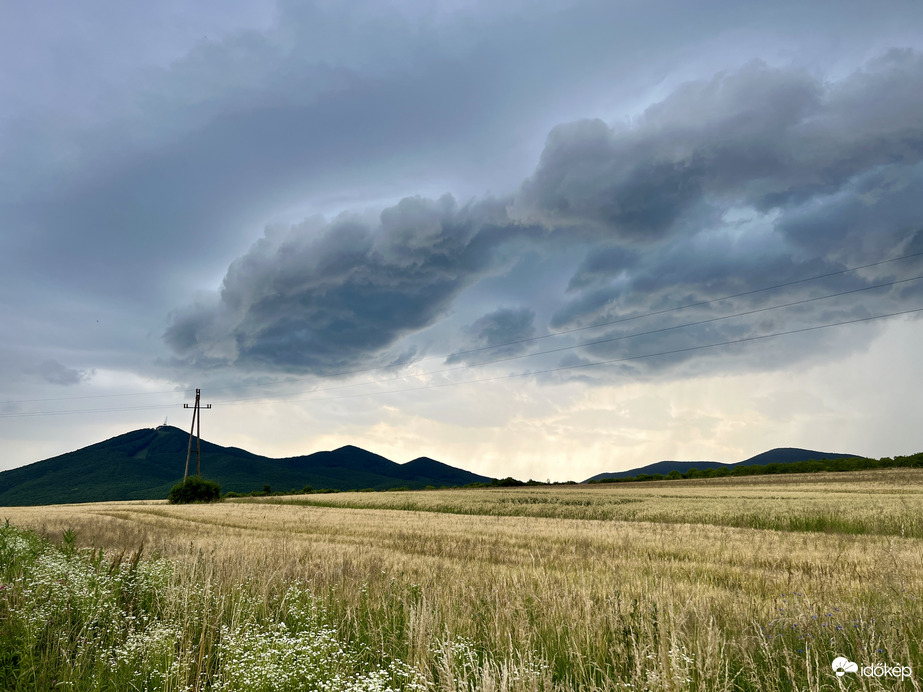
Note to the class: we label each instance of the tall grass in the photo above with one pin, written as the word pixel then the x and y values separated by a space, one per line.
pixel 81 620
pixel 266 597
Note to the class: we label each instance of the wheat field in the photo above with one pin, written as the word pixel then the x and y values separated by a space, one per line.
pixel 756 583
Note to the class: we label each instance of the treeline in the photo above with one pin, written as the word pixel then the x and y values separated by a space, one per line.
pixel 267 491
pixel 508 482
pixel 813 466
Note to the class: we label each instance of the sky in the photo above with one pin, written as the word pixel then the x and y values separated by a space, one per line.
pixel 533 239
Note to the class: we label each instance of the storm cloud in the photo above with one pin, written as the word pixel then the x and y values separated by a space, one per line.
pixel 755 178
pixel 498 334
pixel 324 298
pixel 759 137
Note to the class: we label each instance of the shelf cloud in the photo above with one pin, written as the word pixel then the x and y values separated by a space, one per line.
pixel 757 177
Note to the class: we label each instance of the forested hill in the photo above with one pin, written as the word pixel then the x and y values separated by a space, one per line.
pixel 780 455
pixel 144 464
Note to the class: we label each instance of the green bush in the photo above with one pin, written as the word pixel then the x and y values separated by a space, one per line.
pixel 194 489
pixel 508 482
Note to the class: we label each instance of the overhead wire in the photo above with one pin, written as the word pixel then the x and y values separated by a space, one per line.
pixel 508 375
pixel 579 345
pixel 529 373
pixel 698 304
pixel 532 373
pixel 504 344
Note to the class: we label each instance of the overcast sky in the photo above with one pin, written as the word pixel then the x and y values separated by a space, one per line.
pixel 538 239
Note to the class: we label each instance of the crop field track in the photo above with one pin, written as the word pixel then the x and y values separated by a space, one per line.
pixel 756 583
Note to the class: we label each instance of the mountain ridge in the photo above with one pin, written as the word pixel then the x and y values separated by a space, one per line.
pixel 144 464
pixel 778 455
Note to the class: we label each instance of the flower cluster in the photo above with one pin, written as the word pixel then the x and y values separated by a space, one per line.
pixel 82 620
pixel 276 659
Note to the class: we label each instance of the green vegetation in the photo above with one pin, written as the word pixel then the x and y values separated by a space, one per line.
pixel 307 490
pixel 144 465
pixel 813 466
pixel 194 489
pixel 85 620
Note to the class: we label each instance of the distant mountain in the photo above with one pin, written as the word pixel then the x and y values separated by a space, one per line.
pixel 145 464
pixel 780 455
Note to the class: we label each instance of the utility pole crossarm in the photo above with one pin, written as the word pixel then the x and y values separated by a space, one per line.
pixel 197 429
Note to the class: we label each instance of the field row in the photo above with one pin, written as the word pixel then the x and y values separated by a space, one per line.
pixel 886 502
pixel 481 600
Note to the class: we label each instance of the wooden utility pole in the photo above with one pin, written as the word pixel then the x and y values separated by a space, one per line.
pixel 197 427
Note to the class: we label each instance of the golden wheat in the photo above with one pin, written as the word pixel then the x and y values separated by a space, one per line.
pixel 658 586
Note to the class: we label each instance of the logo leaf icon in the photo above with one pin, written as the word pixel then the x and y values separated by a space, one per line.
pixel 842 665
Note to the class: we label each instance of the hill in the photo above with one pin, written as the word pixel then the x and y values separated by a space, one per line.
pixel 780 455
pixel 144 464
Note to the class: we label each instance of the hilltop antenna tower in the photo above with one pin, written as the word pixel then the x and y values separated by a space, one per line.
pixel 196 418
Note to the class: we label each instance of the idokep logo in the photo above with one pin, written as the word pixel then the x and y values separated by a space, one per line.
pixel 842 665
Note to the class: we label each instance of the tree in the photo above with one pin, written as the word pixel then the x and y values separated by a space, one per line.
pixel 194 489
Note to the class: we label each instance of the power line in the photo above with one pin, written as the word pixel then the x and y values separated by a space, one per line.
pixel 690 305
pixel 623 359
pixel 505 344
pixel 636 317
pixel 521 374
pixel 586 343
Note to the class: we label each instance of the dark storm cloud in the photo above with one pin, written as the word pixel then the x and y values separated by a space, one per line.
pixel 147 176
pixel 755 178
pixel 827 175
pixel 324 298
pixel 691 277
pixel 498 334
pixel 761 137
pixel 139 188
pixel 587 178
pixel 876 211
pixel 142 149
